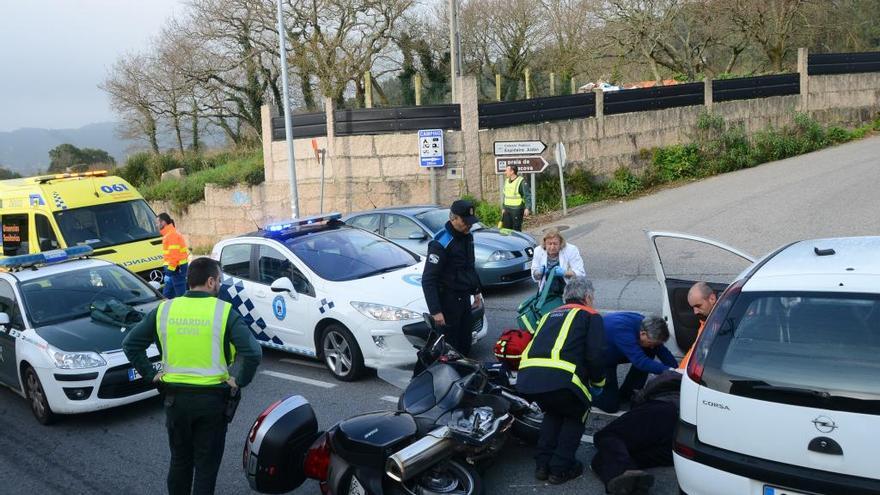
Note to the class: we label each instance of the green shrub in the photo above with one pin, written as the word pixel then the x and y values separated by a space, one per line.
pixel 623 183
pixel 137 170
pixel 488 213
pixel 838 134
pixel 680 161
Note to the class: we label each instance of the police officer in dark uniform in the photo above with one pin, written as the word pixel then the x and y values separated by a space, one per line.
pixel 562 370
pixel 450 277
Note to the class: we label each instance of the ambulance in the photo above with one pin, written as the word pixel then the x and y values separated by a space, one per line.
pixel 92 209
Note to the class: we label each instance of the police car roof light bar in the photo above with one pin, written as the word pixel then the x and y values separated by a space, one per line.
pixel 299 222
pixel 46 178
pixel 44 258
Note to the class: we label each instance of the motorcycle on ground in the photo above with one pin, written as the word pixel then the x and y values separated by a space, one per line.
pixel 449 418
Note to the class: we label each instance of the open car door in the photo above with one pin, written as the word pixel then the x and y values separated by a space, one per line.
pixel 681 260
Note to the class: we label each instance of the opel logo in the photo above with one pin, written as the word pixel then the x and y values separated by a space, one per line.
pixel 155 276
pixel 824 424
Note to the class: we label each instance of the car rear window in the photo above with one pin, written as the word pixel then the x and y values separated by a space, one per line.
pixel 797 345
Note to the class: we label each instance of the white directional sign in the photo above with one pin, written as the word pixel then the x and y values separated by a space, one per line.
pixel 519 148
pixel 560 154
pixel 431 148
pixel 524 164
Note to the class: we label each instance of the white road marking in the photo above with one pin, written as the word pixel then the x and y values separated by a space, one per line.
pixel 300 362
pixel 389 398
pixel 294 378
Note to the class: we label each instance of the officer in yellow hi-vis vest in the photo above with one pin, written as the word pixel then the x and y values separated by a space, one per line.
pixel 562 370
pixel 198 336
pixel 517 198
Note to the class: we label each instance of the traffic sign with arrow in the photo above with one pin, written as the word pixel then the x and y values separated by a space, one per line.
pixel 519 148
pixel 524 164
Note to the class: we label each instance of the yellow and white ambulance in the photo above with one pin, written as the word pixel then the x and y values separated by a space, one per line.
pixel 93 209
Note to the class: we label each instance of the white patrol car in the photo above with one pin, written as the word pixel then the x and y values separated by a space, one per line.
pixel 52 351
pixel 323 289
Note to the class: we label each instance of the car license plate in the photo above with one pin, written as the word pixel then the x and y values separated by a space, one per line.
pixel 775 490
pixel 355 488
pixel 527 265
pixel 134 375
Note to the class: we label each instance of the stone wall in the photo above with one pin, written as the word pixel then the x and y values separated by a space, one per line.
pixel 364 172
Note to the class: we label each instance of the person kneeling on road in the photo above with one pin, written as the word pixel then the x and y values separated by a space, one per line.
pixel 561 370
pixel 632 338
pixel 198 337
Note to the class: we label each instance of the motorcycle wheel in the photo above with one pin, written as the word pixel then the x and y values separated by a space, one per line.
pixel 447 478
pixel 527 426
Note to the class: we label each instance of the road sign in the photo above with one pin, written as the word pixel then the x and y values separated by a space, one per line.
pixel 431 148
pixel 519 148
pixel 524 164
pixel 560 155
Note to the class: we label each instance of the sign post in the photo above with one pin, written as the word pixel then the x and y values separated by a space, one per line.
pixel 431 155
pixel 560 162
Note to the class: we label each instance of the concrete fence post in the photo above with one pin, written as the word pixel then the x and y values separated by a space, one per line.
pixel 266 126
pixel 368 89
pixel 468 96
pixel 802 67
pixel 528 74
pixel 707 94
pixel 417 82
pixel 600 112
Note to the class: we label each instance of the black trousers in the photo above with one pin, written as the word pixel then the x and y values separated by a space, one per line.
pixel 612 395
pixel 512 218
pixel 458 330
pixel 641 438
pixel 564 423
pixel 196 425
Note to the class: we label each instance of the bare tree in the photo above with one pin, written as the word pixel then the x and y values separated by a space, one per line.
pixel 134 98
pixel 771 24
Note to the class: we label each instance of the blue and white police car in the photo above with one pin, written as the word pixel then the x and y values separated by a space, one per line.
pixel 320 288
pixel 54 349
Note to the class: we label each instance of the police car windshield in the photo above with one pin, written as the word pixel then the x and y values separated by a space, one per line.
pixel 107 224
pixel 436 220
pixel 349 254
pixel 69 295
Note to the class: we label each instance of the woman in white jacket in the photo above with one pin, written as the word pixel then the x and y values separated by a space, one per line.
pixel 555 254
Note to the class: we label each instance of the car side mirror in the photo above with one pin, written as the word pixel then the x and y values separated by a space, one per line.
pixel 284 284
pixel 4 320
pixel 418 236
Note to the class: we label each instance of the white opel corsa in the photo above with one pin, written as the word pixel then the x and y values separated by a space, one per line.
pixel 782 393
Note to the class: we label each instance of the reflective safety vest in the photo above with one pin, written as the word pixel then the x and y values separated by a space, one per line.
pixel 191 332
pixel 174 250
pixel 551 358
pixel 512 197
pixel 687 355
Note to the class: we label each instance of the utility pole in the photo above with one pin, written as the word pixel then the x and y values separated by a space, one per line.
pixel 288 118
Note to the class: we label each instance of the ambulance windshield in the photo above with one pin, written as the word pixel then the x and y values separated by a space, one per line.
pixel 107 224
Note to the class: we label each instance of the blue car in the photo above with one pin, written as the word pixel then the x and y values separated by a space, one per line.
pixel 503 257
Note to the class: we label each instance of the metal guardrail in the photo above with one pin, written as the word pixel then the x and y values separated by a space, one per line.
pixel 304 125
pixel 842 63
pixel 744 88
pixel 656 98
pixel 509 113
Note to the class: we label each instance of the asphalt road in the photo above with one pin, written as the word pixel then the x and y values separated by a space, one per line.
pixel 829 193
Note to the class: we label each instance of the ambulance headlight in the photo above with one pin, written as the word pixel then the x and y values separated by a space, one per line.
pixel 75 360
pixel 385 313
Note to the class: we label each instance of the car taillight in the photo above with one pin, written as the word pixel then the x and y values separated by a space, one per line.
pixel 683 450
pixel 697 362
pixel 317 462
pixel 253 433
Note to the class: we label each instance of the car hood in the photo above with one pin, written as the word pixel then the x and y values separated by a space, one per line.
pixel 87 335
pixel 393 288
pixel 509 240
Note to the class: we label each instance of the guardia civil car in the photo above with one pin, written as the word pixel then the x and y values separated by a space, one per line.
pixel 53 349
pixel 320 288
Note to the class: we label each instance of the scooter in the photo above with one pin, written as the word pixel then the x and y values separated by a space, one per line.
pixel 445 424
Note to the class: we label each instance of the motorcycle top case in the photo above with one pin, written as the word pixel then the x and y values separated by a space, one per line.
pixel 277 444
pixel 370 439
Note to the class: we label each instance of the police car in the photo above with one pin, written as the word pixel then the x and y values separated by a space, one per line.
pixel 54 349
pixel 320 288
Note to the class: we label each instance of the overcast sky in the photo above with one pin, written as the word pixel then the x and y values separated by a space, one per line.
pixel 54 53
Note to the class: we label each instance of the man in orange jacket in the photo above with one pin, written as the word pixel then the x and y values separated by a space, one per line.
pixel 176 256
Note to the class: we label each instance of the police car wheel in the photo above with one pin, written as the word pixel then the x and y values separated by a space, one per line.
pixel 37 397
pixel 341 353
